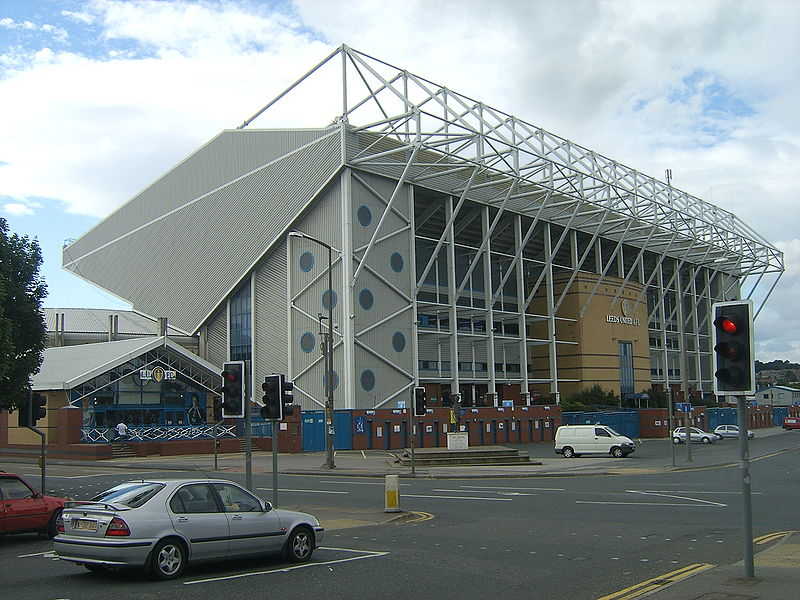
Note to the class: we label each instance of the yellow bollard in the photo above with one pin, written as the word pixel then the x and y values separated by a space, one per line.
pixel 392 493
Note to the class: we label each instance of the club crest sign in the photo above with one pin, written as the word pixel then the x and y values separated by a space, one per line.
pixel 158 374
pixel 625 318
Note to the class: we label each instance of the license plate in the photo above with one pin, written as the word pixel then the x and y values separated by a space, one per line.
pixel 85 524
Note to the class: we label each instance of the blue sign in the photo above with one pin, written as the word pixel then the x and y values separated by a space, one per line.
pixel 360 424
pixel 685 407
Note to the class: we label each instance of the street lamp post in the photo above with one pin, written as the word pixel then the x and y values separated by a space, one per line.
pixel 329 464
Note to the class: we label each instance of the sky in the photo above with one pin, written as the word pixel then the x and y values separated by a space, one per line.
pixel 98 98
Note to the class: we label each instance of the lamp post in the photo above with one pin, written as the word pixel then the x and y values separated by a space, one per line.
pixel 329 464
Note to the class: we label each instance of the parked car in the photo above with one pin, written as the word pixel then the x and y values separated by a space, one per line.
pixel 24 509
pixel 162 525
pixel 697 435
pixel 791 423
pixel 730 431
pixel 574 440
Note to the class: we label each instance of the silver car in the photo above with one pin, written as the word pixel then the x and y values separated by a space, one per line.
pixel 162 525
pixel 731 431
pixel 698 436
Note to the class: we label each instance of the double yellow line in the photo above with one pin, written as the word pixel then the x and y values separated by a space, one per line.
pixel 640 589
pixel 771 537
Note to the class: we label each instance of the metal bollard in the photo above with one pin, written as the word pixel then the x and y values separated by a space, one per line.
pixel 392 493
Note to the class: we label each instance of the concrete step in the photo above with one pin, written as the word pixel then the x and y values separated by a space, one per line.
pixel 120 451
pixel 485 455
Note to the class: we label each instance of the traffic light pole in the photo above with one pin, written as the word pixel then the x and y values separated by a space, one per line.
pixel 42 458
pixel 744 470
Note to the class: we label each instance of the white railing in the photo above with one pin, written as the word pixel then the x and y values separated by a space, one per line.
pixel 99 435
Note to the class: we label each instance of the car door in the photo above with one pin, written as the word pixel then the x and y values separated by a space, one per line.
pixel 23 508
pixel 252 530
pixel 197 515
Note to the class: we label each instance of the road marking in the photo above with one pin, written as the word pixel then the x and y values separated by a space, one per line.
pixel 309 491
pixel 380 483
pixel 658 583
pixel 694 492
pixel 457 497
pixel 364 554
pixel 35 554
pixel 666 495
pixel 489 487
pixel 764 539
pixel 419 517
pixel 502 492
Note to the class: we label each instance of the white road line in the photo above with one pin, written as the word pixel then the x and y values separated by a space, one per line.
pixel 647 503
pixel 489 487
pixel 666 495
pixel 366 554
pixel 34 554
pixel 309 491
pixel 456 497
pixel 380 483
pixel 693 492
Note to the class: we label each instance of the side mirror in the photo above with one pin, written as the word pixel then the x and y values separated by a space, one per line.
pixel 267 506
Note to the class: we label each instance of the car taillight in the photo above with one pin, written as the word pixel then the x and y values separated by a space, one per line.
pixel 60 524
pixel 118 527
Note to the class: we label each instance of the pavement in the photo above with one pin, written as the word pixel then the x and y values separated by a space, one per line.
pixel 776 558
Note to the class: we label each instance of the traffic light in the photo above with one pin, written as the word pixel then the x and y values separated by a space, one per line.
pixel 277 397
pixel 24 416
pixel 32 409
pixel 287 397
pixel 217 408
pixel 420 399
pixel 272 398
pixel 233 395
pixel 38 410
pixel 734 365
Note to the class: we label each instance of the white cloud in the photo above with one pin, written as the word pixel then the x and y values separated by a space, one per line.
pixel 17 209
pixel 708 89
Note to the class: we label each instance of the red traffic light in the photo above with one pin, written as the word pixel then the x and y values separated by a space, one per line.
pixel 230 375
pixel 727 325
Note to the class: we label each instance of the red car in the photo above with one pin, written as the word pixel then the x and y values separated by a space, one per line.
pixel 24 509
pixel 791 423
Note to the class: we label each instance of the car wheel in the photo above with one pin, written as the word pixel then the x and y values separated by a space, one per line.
pixel 51 524
pixel 705 440
pixel 300 545
pixel 168 559
pixel 719 437
pixel 567 452
pixel 676 440
pixel 617 452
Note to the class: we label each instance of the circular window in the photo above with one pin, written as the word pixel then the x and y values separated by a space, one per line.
pixel 335 380
pixel 367 380
pixel 307 341
pixel 398 341
pixel 306 261
pixel 364 215
pixel 366 299
pixel 326 299
pixel 396 262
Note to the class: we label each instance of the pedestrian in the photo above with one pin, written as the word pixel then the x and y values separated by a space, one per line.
pixel 122 431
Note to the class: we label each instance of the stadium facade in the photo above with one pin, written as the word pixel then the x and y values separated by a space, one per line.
pixel 470 252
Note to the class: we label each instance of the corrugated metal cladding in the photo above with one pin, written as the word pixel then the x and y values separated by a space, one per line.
pixel 216 331
pixel 383 288
pixel 308 278
pixel 269 317
pixel 229 155
pixel 182 265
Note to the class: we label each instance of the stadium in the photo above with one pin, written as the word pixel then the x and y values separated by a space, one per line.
pixel 441 242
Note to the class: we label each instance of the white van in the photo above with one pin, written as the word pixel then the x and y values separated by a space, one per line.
pixel 574 440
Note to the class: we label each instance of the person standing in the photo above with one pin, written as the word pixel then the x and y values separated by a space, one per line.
pixel 122 432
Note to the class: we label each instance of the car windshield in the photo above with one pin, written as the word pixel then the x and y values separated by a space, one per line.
pixel 612 431
pixel 133 495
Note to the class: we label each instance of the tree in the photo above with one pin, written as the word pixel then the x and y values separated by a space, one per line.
pixel 23 332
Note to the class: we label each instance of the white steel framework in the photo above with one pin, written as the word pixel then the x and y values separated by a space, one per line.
pixel 500 205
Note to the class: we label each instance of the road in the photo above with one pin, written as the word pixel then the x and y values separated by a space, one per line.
pixel 558 537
